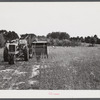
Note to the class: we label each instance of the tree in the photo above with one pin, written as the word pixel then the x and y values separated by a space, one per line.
pixel 25 35
pixel 82 39
pixel 95 38
pixel 92 41
pixel 7 35
pixel 53 35
pixel 12 35
pixel 58 35
pixel 41 38
pixel 66 42
pixel 88 39
pixel 4 32
pixel 98 41
pixel 64 35
pixel 2 40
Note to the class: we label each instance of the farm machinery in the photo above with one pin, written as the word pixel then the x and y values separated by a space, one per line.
pixel 18 48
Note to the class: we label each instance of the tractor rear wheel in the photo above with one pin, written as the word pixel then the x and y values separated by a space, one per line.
pixel 26 54
pixel 5 54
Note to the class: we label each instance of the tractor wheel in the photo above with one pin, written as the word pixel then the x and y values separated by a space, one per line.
pixel 26 54
pixel 5 54
pixel 11 59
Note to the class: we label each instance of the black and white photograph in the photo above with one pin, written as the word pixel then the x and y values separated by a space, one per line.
pixel 50 46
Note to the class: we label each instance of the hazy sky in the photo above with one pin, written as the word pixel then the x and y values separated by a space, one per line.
pixel 41 18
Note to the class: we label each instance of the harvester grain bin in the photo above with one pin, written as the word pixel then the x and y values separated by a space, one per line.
pixel 40 48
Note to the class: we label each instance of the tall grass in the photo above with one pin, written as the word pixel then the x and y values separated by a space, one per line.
pixel 71 68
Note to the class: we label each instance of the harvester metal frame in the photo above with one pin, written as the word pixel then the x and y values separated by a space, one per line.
pixel 40 49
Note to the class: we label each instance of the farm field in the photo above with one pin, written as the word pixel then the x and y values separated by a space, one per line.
pixel 67 68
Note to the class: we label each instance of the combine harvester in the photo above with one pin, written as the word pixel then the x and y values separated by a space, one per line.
pixel 25 48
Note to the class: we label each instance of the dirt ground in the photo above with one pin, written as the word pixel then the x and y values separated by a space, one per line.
pixel 19 76
pixel 67 68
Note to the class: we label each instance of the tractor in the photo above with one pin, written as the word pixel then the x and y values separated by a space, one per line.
pixel 19 48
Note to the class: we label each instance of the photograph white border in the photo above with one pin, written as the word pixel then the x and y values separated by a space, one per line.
pixel 49 93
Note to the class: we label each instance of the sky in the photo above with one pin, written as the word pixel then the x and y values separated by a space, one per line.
pixel 41 18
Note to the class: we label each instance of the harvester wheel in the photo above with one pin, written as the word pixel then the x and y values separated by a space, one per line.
pixel 26 54
pixel 11 59
pixel 5 54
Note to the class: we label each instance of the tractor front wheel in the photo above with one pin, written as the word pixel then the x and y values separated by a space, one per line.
pixel 26 54
pixel 11 58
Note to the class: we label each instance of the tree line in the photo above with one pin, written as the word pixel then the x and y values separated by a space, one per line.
pixel 64 39
pixel 54 38
pixel 7 36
